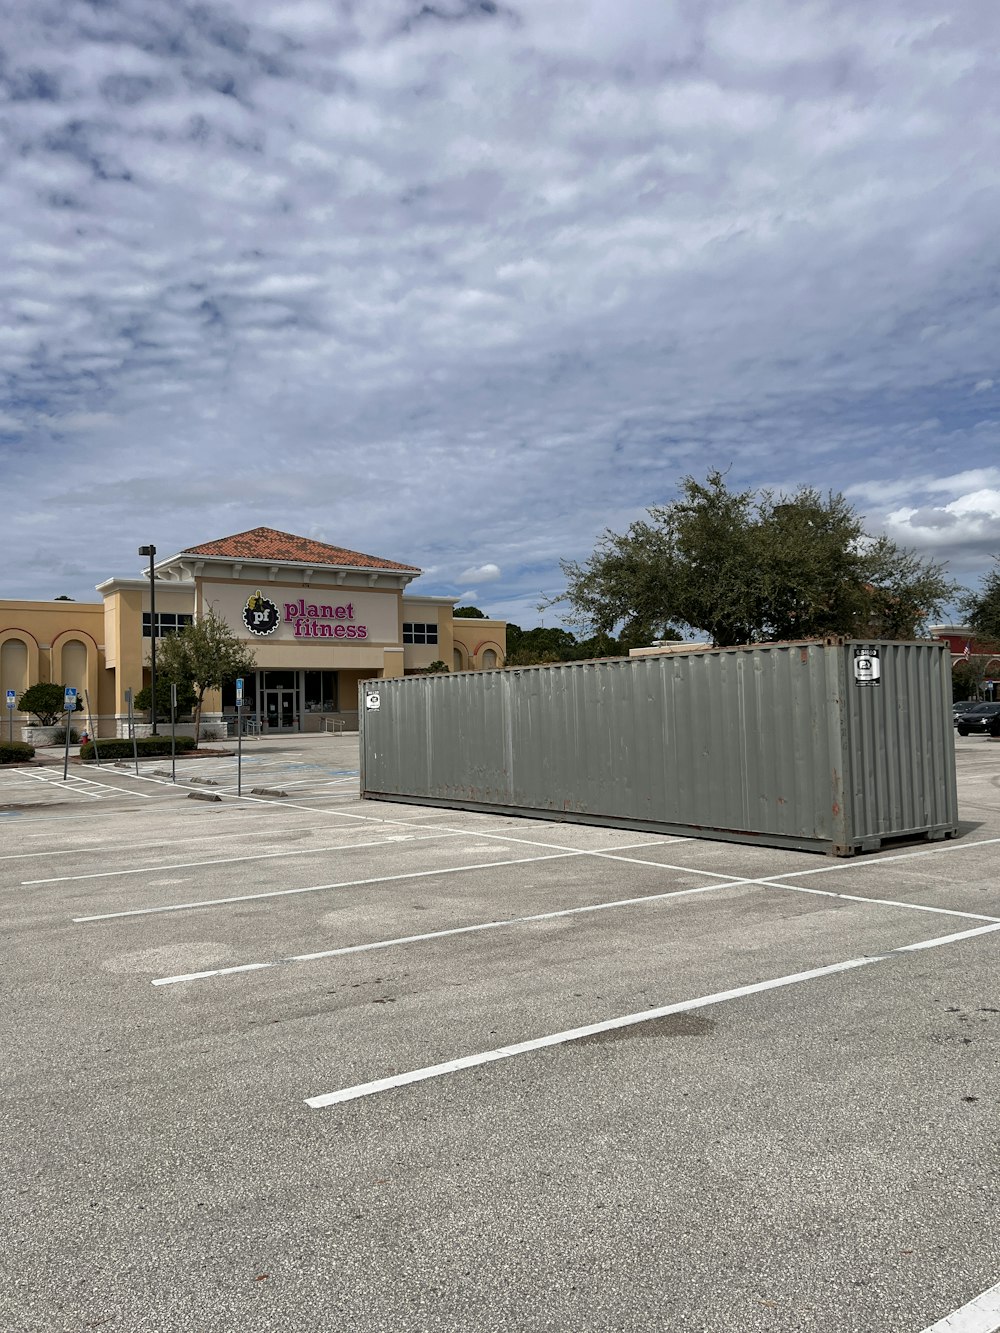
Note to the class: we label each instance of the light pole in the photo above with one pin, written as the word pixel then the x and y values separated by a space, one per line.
pixel 151 552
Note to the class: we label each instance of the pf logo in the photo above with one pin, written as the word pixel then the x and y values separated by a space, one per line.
pixel 260 615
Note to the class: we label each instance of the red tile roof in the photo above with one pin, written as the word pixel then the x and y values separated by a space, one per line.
pixel 281 547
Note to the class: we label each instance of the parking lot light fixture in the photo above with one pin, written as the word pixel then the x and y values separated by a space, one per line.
pixel 151 552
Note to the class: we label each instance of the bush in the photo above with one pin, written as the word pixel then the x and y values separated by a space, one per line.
pixel 16 752
pixel 145 747
pixel 59 738
pixel 45 701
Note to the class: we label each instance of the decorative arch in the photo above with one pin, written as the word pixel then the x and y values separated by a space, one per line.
pixel 484 647
pixel 457 659
pixel 67 666
pixel 20 659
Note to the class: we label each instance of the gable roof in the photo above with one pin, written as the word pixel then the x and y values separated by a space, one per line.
pixel 270 544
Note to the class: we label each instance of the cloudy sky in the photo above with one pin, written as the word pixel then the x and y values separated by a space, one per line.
pixel 462 283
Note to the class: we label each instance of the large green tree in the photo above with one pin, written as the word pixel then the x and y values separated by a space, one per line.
pixel 982 609
pixel 545 644
pixel 745 566
pixel 205 656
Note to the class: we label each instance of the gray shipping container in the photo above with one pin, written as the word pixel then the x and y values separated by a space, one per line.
pixel 827 746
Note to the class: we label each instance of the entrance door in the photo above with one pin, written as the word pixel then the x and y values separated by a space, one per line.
pixel 279 709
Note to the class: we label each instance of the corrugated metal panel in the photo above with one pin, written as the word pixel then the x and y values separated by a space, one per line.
pixel 775 743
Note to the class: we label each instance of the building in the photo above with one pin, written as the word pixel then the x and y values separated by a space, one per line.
pixel 318 618
pixel 965 646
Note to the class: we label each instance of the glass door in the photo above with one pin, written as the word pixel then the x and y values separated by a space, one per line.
pixel 279 710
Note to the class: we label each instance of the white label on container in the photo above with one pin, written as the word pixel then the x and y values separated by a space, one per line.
pixel 867 667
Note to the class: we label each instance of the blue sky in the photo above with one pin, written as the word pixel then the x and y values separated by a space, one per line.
pixel 463 283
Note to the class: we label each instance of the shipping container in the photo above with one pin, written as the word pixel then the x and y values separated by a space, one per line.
pixel 830 746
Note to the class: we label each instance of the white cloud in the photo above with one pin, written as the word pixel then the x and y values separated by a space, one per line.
pixel 311 265
pixel 483 574
pixel 972 519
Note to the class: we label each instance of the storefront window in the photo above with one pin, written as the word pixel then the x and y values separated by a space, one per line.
pixel 280 680
pixel 321 691
pixel 249 694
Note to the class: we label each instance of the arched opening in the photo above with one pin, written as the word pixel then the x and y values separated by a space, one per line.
pixel 489 659
pixel 457 663
pixel 14 666
pixel 74 665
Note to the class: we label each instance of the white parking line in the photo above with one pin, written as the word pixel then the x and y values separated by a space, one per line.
pixel 47 781
pixel 726 882
pixel 627 1020
pixel 880 902
pixel 441 934
pixel 981 1315
pixel 320 888
pixel 392 839
pixel 104 849
pixel 562 854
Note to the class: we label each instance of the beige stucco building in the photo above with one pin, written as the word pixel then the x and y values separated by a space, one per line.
pixel 318 618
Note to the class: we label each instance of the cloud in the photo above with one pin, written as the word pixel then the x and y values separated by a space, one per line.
pixel 439 280
pixel 484 574
pixel 972 519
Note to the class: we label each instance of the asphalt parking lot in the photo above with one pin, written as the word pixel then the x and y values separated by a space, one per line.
pixel 300 1062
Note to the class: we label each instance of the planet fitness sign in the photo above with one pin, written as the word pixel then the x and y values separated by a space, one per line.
pixel 313 622
pixel 309 620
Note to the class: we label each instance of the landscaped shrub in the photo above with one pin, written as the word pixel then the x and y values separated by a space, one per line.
pixel 45 700
pixel 120 748
pixel 59 737
pixel 16 752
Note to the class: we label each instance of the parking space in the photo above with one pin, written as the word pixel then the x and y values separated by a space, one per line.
pixel 297 1061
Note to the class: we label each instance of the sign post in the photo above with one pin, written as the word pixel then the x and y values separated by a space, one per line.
pixel 131 729
pixel 173 732
pixel 69 704
pixel 239 735
pixel 10 714
pixel 93 733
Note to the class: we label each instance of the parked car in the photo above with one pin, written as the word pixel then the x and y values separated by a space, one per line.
pixel 979 720
pixel 960 706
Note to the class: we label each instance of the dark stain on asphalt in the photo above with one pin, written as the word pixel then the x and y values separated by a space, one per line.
pixel 670 1025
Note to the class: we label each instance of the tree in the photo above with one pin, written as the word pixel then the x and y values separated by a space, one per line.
pixel 205 656
pixel 542 645
pixel 469 613
pixel 967 677
pixel 45 701
pixel 748 567
pixel 63 598
pixel 186 698
pixel 982 609
pixel 533 647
